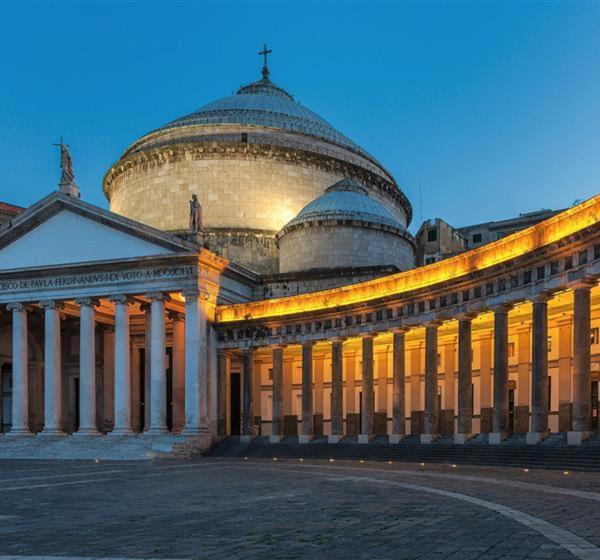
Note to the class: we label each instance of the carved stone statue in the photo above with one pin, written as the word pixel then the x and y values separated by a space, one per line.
pixel 67 183
pixel 195 215
pixel 66 165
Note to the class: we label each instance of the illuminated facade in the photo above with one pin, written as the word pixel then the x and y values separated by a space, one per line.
pixel 136 337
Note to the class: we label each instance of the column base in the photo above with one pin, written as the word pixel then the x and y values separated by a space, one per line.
pixel 396 438
pixel 54 432
pixel 427 439
pixel 364 438
pixel 121 432
pixel 90 432
pixel 305 438
pixel 575 438
pixel 246 438
pixel 20 432
pixel 275 438
pixel 157 432
pixel 533 438
pixel 461 439
pixel 334 438
pixel 496 438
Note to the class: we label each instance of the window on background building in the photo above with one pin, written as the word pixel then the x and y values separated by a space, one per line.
pixel 500 235
pixel 569 262
pixel 514 281
pixel 270 374
pixel 421 307
pixel 553 268
pixel 379 315
pixel 466 295
pixel 502 284
pixel 489 289
pixel 453 298
pixel 431 304
pixel 595 332
pixel 410 309
pixel 549 393
pixel 541 272
pixel 432 235
pixel 429 260
pixel 511 349
pixel 477 238
pixel 527 277
pixel 596 252
pixel 582 257
pixel 477 292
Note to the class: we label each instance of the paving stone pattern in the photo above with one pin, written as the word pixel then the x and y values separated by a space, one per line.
pixel 286 509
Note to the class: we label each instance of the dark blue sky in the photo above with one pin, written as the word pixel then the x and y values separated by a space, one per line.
pixel 490 109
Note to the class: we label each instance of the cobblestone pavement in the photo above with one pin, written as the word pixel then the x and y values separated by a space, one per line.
pixel 286 509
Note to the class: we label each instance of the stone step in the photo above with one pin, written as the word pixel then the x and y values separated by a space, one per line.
pixel 514 455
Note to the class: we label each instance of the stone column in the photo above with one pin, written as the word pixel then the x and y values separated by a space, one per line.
pixel 195 361
pixel 352 416
pixel 122 369
pixel 87 367
pixel 277 421
pixel 307 428
pixel 222 393
pixel 20 371
pixel 500 412
pixel 158 373
pixel 581 364
pixel 52 369
pixel 368 395
pixel 257 396
pixel 465 380
pixel 539 371
pixel 248 396
pixel 178 369
pixel 431 386
pixel 337 391
pixel 398 396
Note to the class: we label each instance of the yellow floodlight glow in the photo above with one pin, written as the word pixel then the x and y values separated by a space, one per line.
pixel 549 231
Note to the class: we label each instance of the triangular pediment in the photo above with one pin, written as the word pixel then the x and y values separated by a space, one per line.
pixel 60 230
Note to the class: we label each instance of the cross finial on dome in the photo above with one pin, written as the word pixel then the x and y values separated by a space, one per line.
pixel 265 52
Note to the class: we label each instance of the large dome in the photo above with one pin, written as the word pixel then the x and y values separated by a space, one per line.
pixel 254 159
pixel 267 105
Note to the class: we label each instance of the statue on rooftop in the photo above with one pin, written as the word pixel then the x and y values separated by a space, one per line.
pixel 195 215
pixel 67 179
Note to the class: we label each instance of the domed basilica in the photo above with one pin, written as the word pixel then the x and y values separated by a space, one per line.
pixel 260 164
pixel 254 277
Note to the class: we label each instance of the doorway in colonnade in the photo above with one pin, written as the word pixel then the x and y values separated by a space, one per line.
pixel 168 388
pixel 235 402
pixel 594 406
pixel 6 397
pixel 511 410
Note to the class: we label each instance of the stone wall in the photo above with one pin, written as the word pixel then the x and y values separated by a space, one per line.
pixel 342 246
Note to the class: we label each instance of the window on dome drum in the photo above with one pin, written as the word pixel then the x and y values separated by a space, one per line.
pixel 477 238
pixel 432 235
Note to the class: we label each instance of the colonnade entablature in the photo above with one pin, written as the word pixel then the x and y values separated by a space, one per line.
pixel 482 291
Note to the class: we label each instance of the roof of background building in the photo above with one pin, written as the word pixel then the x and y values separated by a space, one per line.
pixel 10 208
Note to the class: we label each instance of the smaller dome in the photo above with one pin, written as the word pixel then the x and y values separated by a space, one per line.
pixel 345 201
